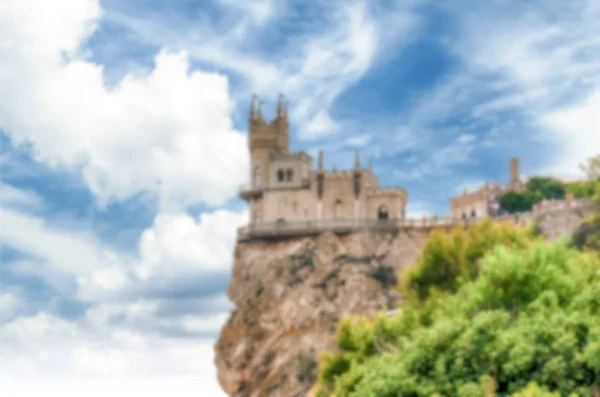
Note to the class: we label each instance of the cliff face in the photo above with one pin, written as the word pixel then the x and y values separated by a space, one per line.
pixel 289 296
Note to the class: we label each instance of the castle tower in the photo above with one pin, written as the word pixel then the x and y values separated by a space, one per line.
pixel 514 171
pixel 265 138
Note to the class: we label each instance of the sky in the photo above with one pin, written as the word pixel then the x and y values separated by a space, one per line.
pixel 123 143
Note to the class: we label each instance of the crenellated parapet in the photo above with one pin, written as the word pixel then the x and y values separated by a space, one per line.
pixel 338 174
pixel 387 192
pixel 468 197
pixel 272 135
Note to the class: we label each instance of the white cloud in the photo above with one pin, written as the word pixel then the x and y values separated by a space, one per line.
pixel 577 133
pixel 418 210
pixel 176 245
pixel 13 197
pixel 119 336
pixel 176 242
pixel 9 303
pixel 65 251
pixel 168 133
pixel 70 357
pixel 116 386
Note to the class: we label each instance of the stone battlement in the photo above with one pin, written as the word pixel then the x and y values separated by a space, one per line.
pixel 339 174
pixel 383 191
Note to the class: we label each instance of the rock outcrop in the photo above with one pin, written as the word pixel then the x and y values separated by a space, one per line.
pixel 289 296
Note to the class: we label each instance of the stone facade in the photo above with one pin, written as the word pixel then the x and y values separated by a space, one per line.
pixel 284 187
pixel 484 201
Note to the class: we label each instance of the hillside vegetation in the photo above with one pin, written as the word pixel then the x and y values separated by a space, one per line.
pixel 540 188
pixel 489 311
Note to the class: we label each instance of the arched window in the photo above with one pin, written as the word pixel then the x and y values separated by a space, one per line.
pixel 337 209
pixel 280 175
pixel 289 174
pixel 383 213
pixel 257 176
pixel 473 214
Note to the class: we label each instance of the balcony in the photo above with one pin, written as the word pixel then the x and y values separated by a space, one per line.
pixel 248 191
pixel 339 226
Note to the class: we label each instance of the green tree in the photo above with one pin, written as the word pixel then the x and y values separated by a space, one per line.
pixel 547 188
pixel 515 202
pixel 592 168
pixel 581 189
pixel 449 259
pixel 530 323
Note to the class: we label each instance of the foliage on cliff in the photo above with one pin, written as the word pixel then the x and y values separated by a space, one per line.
pixel 450 259
pixel 518 317
pixel 587 236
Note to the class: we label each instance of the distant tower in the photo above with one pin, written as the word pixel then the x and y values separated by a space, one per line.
pixel 265 138
pixel 514 171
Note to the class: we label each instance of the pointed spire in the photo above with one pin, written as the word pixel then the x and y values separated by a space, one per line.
pixel 259 110
pixel 357 161
pixel 320 160
pixel 252 107
pixel 280 106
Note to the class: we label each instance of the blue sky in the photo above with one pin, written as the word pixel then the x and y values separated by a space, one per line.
pixel 123 144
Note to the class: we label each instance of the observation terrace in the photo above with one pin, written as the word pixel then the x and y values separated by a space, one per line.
pixel 273 230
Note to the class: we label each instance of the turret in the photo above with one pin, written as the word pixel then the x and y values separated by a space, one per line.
pixel 265 138
pixel 514 171
pixel 357 175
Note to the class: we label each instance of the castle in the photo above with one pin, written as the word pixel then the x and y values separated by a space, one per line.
pixel 285 191
pixel 286 197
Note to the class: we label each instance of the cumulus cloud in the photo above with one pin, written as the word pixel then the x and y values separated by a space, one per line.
pixel 577 132
pixel 178 242
pixel 131 328
pixel 117 361
pixel 167 133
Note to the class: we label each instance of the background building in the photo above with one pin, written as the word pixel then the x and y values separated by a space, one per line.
pixel 484 201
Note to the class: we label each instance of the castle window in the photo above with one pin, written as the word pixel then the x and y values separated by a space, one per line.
pixel 256 216
pixel 280 175
pixel 382 213
pixel 337 209
pixel 473 214
pixel 289 174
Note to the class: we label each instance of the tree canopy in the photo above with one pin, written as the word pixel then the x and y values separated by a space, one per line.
pixel 515 202
pixel 519 317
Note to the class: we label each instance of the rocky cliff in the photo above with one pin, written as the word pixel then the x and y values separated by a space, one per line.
pixel 289 296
